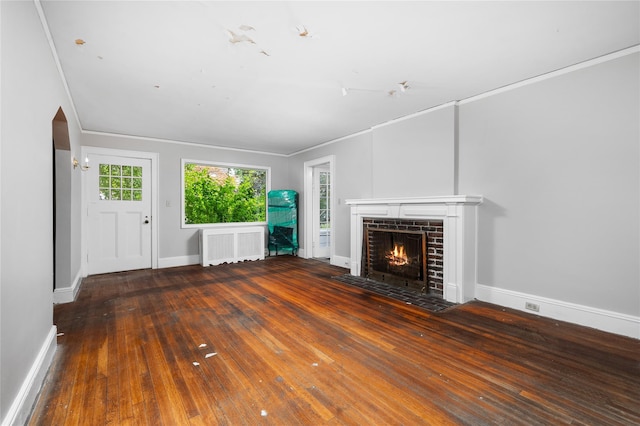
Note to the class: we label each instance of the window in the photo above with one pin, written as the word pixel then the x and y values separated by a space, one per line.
pixel 325 200
pixel 324 239
pixel 214 193
pixel 120 182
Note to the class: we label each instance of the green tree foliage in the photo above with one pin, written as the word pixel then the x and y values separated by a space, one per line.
pixel 238 196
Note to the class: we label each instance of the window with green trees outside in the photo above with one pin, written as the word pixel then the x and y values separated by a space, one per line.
pixel 216 193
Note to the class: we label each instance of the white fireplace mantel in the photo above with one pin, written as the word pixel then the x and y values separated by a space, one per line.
pixel 459 216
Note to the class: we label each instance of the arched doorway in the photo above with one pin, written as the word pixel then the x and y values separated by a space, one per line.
pixel 61 187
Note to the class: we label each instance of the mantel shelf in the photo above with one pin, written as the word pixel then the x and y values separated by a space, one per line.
pixel 444 199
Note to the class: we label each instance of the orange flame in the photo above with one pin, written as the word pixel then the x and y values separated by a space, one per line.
pixel 397 256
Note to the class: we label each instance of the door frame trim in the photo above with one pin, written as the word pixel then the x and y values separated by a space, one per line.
pixel 308 204
pixel 153 157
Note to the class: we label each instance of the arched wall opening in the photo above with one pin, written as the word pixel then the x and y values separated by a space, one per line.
pixel 61 187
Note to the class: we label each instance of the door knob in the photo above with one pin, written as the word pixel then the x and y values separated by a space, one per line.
pixel 146 219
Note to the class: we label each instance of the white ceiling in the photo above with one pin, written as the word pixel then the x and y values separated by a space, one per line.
pixel 169 70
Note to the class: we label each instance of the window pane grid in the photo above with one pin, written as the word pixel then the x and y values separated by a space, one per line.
pixel 118 182
pixel 325 205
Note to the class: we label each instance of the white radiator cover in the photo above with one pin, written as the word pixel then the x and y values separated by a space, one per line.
pixel 231 244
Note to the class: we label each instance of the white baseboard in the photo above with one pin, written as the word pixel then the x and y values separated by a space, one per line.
pixel 301 253
pixel 20 409
pixel 341 261
pixel 68 294
pixel 612 322
pixel 171 262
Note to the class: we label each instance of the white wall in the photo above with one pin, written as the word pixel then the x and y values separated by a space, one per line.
pixel 64 173
pixel 67 271
pixel 415 156
pixel 353 179
pixel 176 245
pixel 558 164
pixel 32 92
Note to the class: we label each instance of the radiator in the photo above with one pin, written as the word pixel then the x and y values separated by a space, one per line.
pixel 229 245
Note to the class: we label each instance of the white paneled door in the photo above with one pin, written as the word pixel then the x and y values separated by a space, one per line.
pixel 119 213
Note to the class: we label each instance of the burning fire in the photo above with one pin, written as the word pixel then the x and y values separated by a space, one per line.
pixel 397 256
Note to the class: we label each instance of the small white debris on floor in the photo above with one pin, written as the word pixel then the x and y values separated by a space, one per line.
pixel 60 334
pixel 210 354
pixel 263 413
pixel 315 364
pixel 203 345
pixel 196 363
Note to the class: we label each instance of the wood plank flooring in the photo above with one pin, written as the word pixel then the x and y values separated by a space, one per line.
pixel 280 342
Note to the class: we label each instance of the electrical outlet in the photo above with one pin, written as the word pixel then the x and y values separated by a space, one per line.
pixel 532 306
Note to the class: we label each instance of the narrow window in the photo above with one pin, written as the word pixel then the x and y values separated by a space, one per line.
pixel 325 208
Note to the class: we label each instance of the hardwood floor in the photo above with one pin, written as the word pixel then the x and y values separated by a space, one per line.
pixel 288 345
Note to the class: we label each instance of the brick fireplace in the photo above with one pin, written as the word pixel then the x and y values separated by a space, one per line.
pixel 404 252
pixel 448 222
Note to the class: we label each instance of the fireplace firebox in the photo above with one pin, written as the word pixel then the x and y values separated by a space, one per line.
pixel 397 257
pixel 406 253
